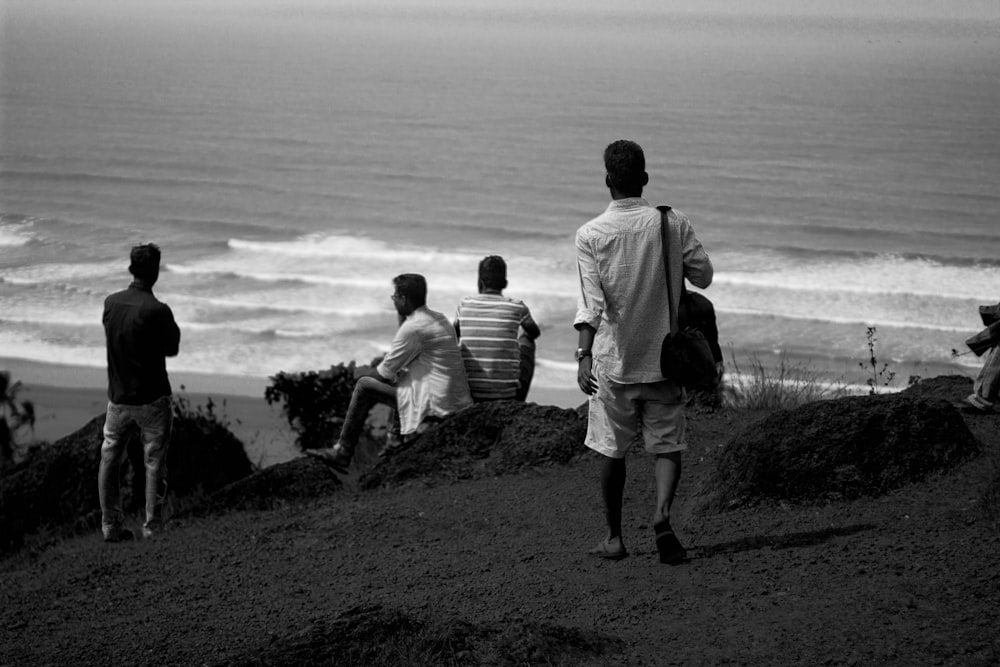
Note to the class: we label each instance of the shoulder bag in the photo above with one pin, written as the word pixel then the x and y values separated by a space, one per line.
pixel 685 355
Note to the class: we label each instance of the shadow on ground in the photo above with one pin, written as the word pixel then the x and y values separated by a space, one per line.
pixel 803 539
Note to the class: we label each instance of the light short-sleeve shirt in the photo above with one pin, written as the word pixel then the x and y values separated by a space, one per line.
pixel 426 365
pixel 623 291
pixel 488 326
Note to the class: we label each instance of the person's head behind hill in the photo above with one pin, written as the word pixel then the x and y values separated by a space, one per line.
pixel 145 262
pixel 626 166
pixel 492 273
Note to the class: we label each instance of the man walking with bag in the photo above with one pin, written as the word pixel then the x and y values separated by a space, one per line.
pixel 622 317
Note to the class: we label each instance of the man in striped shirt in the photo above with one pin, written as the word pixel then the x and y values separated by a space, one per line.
pixel 497 337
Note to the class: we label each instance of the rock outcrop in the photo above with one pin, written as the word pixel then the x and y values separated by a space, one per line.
pixel 487 439
pixel 951 388
pixel 841 449
pixel 296 480
pixel 56 485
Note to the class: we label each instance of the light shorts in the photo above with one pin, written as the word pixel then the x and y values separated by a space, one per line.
pixel 619 412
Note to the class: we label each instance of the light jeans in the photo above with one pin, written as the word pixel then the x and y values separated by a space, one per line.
pixel 154 421
pixel 368 392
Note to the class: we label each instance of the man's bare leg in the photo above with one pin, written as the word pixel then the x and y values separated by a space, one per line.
pixel 668 474
pixel 612 491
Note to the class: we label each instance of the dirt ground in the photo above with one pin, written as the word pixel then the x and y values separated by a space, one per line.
pixel 908 578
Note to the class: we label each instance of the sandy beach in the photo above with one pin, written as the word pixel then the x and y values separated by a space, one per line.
pixel 67 397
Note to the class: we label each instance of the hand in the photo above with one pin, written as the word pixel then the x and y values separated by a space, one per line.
pixel 585 377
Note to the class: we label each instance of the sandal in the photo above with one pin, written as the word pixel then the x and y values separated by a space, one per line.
pixel 337 456
pixel 607 552
pixel 669 547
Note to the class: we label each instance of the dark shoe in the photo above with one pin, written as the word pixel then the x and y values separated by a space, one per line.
pixel 118 534
pixel 608 552
pixel 669 547
pixel 337 456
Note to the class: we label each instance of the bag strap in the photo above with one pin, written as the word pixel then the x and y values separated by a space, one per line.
pixel 665 242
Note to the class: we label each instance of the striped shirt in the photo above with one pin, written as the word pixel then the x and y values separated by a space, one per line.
pixel 488 326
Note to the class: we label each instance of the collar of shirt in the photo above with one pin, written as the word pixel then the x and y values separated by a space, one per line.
pixel 141 285
pixel 627 204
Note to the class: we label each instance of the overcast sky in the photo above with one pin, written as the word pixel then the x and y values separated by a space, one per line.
pixel 944 9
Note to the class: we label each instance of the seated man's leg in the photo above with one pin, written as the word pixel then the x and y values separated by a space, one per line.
pixel 367 393
pixel 527 346
pixel 986 388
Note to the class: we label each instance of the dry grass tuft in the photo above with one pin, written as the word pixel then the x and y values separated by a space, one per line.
pixel 758 387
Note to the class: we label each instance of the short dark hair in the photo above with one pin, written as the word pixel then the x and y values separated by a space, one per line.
pixel 493 272
pixel 626 165
pixel 413 286
pixel 145 261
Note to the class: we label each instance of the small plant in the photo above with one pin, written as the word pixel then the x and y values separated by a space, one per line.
pixel 786 386
pixel 14 416
pixel 315 402
pixel 881 375
pixel 183 410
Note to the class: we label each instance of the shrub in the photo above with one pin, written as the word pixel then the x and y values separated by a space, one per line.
pixel 787 386
pixel 14 415
pixel 315 402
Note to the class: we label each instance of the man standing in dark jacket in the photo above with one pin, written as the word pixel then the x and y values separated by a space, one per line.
pixel 140 332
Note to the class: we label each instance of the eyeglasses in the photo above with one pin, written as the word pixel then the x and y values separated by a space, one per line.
pixel 395 296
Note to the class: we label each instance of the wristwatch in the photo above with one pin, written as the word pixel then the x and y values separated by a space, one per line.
pixel 581 353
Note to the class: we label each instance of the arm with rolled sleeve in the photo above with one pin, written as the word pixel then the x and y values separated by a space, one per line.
pixel 590 308
pixel 697 266
pixel 590 304
pixel 406 345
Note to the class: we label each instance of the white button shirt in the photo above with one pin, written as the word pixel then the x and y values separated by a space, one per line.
pixel 426 364
pixel 623 291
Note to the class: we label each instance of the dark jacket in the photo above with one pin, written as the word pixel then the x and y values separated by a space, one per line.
pixel 140 332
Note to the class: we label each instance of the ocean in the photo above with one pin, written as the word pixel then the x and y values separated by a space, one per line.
pixel 290 158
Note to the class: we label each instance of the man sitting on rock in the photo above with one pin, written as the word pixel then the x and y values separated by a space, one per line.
pixel 986 389
pixel 420 376
pixel 497 337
